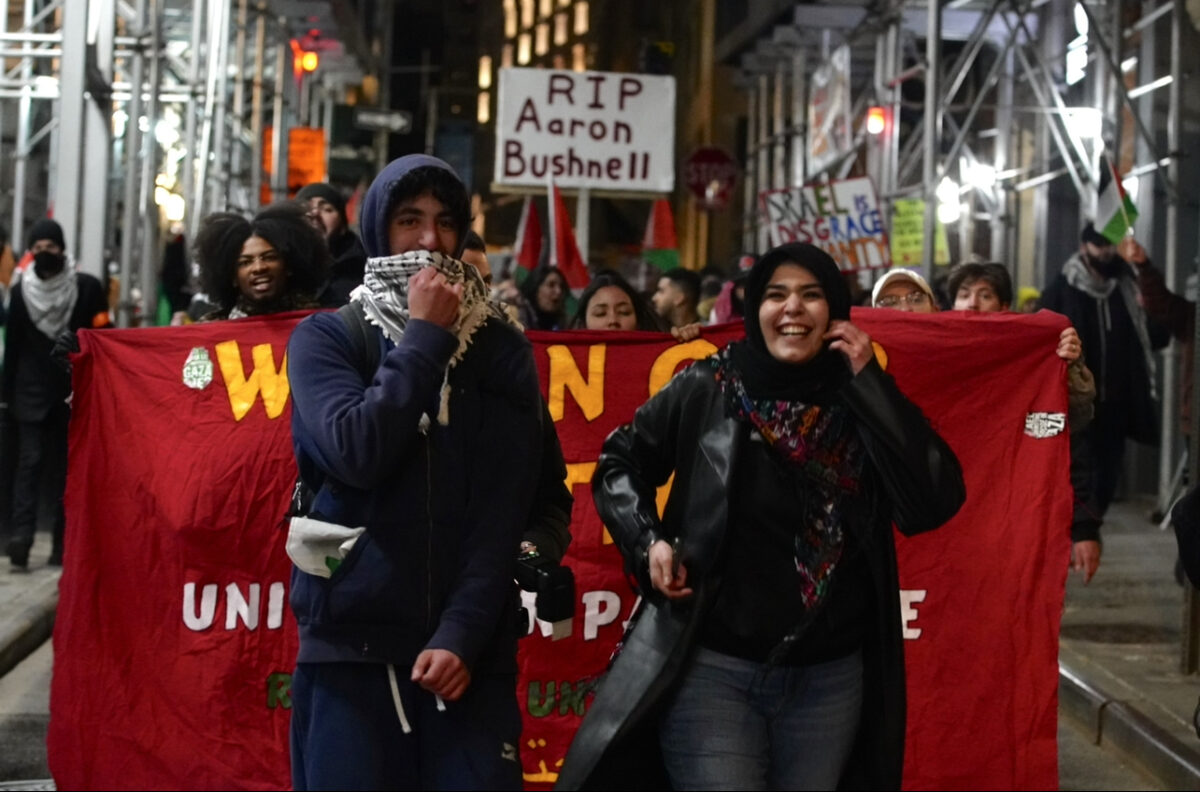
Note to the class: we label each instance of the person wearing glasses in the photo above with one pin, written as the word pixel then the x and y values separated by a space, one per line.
pixel 274 262
pixel 903 290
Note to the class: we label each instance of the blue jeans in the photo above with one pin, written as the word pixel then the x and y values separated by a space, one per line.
pixel 737 724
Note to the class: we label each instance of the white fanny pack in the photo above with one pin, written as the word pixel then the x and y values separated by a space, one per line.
pixel 318 547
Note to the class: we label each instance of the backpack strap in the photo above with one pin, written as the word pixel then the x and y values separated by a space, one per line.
pixel 363 338
pixel 366 359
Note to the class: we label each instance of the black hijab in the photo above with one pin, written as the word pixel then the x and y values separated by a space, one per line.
pixel 765 377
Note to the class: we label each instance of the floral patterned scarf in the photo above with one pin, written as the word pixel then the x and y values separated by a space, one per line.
pixel 818 443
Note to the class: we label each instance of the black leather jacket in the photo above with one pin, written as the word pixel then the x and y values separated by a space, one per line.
pixel 912 477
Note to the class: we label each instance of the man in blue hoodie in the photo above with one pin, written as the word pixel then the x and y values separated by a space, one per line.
pixel 406 672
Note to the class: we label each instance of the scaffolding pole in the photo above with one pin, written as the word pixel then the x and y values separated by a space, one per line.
pixel 237 154
pixel 133 146
pixel 190 194
pixel 933 131
pixel 219 63
pixel 256 105
pixel 151 227
pixel 21 156
pixel 93 224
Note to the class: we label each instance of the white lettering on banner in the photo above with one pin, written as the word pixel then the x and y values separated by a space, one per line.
pixel 908 614
pixel 239 607
pixel 208 606
pixel 599 130
pixel 600 608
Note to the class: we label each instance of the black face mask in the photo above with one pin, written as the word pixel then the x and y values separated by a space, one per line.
pixel 47 264
pixel 1109 269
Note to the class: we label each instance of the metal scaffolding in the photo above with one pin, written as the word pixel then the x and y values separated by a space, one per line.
pixel 114 110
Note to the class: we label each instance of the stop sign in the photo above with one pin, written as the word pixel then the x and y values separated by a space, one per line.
pixel 711 174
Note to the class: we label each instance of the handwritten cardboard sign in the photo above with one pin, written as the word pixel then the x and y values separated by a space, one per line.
pixel 601 130
pixel 840 217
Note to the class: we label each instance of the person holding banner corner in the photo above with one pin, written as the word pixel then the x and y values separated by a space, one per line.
pixel 766 652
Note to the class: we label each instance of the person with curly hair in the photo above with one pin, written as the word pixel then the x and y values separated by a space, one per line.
pixel 274 262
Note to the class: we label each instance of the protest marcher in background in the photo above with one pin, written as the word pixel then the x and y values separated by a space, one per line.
pixel 49 299
pixel 611 303
pixel 767 647
pixel 272 263
pixel 1097 290
pixel 677 296
pixel 325 208
pixel 987 288
pixel 544 299
pixel 405 677
pixel 475 253
pixel 904 290
pixel 728 307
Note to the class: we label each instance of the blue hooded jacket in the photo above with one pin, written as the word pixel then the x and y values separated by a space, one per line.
pixel 434 568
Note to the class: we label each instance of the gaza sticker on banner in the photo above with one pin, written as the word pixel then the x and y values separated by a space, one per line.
pixel 600 130
pixel 840 217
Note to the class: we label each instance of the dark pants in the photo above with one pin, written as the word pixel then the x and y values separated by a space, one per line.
pixel 1106 439
pixel 40 480
pixel 348 732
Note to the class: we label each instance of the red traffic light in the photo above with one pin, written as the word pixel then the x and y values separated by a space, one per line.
pixel 876 120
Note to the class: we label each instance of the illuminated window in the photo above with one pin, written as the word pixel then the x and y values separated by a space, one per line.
pixel 506 56
pixel 559 61
pixel 579 57
pixel 581 18
pixel 510 18
pixel 542 42
pixel 545 8
pixel 564 3
pixel 560 29
pixel 527 14
pixel 483 113
pixel 523 49
pixel 485 71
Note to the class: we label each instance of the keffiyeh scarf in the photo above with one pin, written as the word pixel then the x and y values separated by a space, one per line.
pixel 383 296
pixel 51 301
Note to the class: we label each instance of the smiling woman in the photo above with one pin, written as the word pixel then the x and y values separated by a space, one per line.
pixel 274 262
pixel 772 570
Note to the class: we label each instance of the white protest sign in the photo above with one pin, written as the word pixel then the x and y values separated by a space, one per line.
pixel 602 130
pixel 841 217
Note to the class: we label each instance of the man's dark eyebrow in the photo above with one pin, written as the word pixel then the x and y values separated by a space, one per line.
pixel 401 210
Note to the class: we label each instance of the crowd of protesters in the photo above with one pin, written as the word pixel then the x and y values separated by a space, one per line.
pixel 427 340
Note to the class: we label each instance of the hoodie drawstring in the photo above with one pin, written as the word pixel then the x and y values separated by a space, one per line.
pixel 404 725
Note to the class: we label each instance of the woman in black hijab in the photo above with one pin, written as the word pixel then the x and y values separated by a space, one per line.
pixel 766 652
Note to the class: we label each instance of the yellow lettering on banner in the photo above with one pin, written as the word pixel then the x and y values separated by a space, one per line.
pixel 272 383
pixel 663 493
pixel 565 376
pixel 581 473
pixel 664 367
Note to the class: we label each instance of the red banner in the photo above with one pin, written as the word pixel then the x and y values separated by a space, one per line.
pixel 174 643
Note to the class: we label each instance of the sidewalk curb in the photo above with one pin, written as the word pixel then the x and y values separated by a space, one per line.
pixel 29 629
pixel 1115 723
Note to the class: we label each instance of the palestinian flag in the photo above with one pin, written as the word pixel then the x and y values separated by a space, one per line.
pixel 1115 212
pixel 527 251
pixel 659 246
pixel 564 253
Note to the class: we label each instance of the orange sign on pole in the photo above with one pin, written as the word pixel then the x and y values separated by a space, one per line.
pixel 306 160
